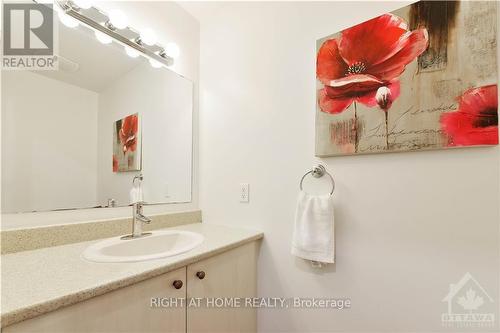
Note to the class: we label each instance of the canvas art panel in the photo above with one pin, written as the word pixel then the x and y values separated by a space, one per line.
pixel 421 77
pixel 127 144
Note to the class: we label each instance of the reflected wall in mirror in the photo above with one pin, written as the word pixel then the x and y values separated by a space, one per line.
pixel 58 128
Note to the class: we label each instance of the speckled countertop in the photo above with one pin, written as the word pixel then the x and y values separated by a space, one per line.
pixel 43 280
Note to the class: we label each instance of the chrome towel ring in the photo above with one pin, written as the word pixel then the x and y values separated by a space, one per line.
pixel 139 178
pixel 318 172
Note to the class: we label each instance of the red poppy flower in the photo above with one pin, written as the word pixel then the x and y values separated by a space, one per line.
pixel 365 58
pixel 128 133
pixel 475 122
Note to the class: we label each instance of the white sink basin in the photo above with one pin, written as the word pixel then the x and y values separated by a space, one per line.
pixel 161 244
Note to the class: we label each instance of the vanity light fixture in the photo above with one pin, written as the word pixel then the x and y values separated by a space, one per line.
pixel 115 27
pixel 172 50
pixel 148 37
pixel 132 53
pixel 103 38
pixel 154 63
pixel 67 20
pixel 83 4
pixel 117 20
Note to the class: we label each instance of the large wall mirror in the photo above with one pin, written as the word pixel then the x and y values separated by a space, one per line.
pixel 77 136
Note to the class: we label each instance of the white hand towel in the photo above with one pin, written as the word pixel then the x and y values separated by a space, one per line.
pixel 313 236
pixel 136 195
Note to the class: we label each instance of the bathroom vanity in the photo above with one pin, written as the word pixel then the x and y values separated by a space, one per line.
pixel 56 290
pixel 94 137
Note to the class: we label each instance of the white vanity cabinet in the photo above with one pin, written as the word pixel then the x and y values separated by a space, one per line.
pixel 229 274
pixel 123 310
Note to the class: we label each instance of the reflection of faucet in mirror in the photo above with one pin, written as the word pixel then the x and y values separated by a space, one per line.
pixel 99 97
pixel 137 202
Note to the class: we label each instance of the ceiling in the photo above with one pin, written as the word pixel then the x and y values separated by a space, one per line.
pixel 201 10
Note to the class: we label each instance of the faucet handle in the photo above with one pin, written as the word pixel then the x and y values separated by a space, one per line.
pixel 143 218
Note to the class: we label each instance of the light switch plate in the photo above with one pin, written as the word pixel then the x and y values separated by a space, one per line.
pixel 244 192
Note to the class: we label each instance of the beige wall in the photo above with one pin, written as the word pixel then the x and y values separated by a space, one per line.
pixel 407 224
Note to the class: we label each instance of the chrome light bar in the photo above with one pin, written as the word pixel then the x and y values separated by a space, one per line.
pixel 99 21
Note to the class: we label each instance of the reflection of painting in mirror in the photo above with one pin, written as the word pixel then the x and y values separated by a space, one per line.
pixel 60 120
pixel 127 144
pixel 422 77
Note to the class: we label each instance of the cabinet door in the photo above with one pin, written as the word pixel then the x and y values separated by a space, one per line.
pixel 124 310
pixel 230 274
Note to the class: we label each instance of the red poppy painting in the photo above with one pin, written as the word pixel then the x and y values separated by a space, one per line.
pixel 391 83
pixel 366 59
pixel 475 122
pixel 126 144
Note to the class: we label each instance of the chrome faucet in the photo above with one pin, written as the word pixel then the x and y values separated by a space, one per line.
pixel 137 219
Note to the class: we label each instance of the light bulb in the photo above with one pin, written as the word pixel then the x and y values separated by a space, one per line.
pixel 155 63
pixel 103 38
pixel 118 19
pixel 67 20
pixel 148 37
pixel 132 53
pixel 84 4
pixel 57 8
pixel 172 50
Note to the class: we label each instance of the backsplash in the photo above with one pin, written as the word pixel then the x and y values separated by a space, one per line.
pixel 35 238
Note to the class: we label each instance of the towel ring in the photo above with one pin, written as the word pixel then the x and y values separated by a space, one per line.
pixel 139 177
pixel 318 172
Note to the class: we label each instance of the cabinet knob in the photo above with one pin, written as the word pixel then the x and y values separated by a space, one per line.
pixel 200 275
pixel 177 284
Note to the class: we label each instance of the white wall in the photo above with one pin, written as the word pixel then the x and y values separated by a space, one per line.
pixel 164 101
pixel 171 23
pixel 407 224
pixel 39 170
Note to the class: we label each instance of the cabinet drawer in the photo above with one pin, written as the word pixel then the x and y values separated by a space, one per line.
pixel 230 274
pixel 123 310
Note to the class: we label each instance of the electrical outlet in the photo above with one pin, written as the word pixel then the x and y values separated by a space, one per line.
pixel 244 192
